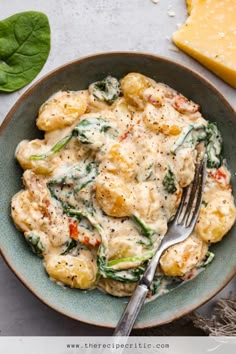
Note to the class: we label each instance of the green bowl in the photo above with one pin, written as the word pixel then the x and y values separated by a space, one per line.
pixel 95 307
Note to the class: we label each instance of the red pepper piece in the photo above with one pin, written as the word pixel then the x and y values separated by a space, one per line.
pixel 74 230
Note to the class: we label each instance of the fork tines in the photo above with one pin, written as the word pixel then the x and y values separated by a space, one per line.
pixel 192 197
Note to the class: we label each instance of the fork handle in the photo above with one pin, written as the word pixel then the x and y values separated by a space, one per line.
pixel 136 301
pixel 131 311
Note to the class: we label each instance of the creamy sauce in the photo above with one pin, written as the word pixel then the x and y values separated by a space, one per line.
pixel 102 186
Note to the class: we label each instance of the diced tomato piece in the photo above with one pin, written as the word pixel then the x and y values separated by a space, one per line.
pixel 97 243
pixel 73 226
pixel 86 240
pixel 219 176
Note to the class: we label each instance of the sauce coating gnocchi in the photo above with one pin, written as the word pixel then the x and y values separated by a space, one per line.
pixel 101 187
pixel 183 257
pixel 62 110
pixel 216 218
pixel 77 272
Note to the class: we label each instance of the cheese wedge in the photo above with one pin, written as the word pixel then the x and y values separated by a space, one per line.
pixel 190 5
pixel 209 36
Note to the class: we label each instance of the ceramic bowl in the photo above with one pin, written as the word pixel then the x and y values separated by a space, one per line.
pixel 95 307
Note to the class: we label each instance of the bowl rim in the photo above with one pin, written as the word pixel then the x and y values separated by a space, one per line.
pixel 27 93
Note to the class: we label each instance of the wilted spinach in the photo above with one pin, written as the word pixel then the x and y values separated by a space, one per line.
pixel 107 90
pixel 169 182
pixel 35 243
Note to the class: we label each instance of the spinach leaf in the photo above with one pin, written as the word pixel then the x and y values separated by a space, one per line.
pixel 107 90
pixel 89 132
pixel 164 282
pixel 35 243
pixel 169 182
pixel 24 48
pixel 197 132
pixel 214 146
pixel 70 246
pixel 76 177
pixel 207 260
pixel 155 286
pixel 66 187
pixel 143 257
pixel 145 231
pixel 56 148
pixel 104 269
pixel 190 136
pixel 124 276
pixel 204 203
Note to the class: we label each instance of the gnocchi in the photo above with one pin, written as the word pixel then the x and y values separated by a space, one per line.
pixel 113 196
pixel 216 218
pixel 27 148
pixel 163 119
pixel 62 110
pixel 133 86
pixel 33 209
pixel 76 272
pixel 179 259
pixel 102 185
pixel 119 162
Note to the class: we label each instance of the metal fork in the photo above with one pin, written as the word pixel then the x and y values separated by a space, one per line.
pixel 178 230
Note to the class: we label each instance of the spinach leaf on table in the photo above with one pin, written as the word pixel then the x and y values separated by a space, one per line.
pixel 24 48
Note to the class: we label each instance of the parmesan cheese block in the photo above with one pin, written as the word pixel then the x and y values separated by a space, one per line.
pixel 191 4
pixel 209 36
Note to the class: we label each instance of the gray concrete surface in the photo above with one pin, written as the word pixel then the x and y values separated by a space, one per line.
pixel 79 28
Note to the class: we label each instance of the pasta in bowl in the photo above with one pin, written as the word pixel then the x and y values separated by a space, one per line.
pixel 102 185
